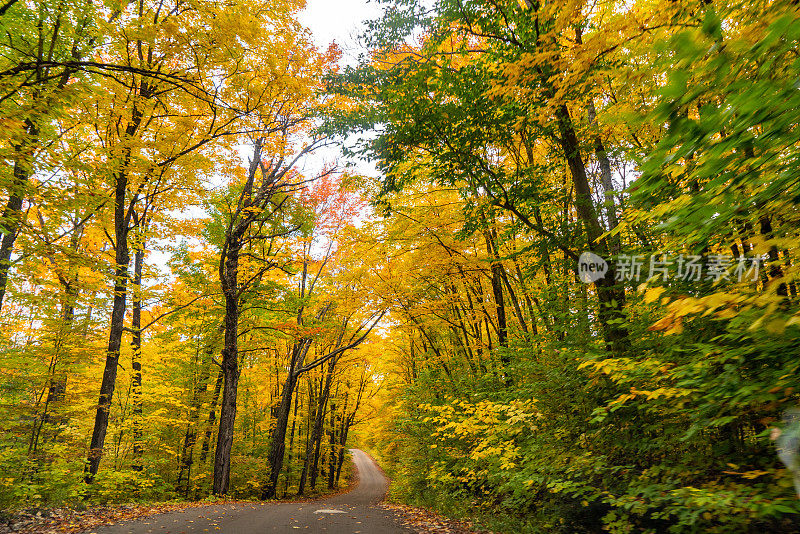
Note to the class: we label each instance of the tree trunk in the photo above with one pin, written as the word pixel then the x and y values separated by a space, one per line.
pixel 136 357
pixel 605 168
pixel 336 468
pixel 611 296
pixel 57 381
pixel 772 266
pixel 312 417
pixel 296 369
pixel 122 260
pixel 277 447
pixel 114 340
pixel 342 443
pixel 497 292
pixel 230 369
pixel 190 438
pixel 319 421
pixel 212 417
pixel 291 440
pixel 11 220
pixel 332 456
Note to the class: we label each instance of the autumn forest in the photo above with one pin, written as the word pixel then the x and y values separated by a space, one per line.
pixel 539 258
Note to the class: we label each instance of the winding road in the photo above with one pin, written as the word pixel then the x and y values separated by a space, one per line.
pixel 353 512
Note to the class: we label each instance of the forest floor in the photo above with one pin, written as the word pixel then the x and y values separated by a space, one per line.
pixel 70 520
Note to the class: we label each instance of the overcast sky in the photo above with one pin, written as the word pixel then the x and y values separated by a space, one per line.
pixel 339 21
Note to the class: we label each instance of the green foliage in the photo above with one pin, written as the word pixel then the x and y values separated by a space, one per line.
pixel 130 486
pixel 670 433
pixel 511 136
pixel 28 483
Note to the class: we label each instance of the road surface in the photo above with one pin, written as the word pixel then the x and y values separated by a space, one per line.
pixel 349 513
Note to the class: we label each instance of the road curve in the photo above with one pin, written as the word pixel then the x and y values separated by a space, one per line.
pixel 349 513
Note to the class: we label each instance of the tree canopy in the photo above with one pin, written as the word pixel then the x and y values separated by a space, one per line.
pixel 566 302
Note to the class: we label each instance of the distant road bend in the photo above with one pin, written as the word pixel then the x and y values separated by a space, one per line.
pixel 349 513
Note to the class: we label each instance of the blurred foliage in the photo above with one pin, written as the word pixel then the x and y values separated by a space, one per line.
pixel 697 107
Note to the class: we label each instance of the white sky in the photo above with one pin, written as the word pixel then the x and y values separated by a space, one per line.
pixel 339 21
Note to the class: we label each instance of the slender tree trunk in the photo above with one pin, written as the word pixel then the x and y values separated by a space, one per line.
pixel 230 369
pixel 278 444
pixel 336 466
pixel 136 358
pixel 342 443
pixel 606 181
pixel 57 387
pixel 605 168
pixel 11 219
pixel 114 337
pixel 57 381
pixel 277 447
pixel 332 439
pixel 212 417
pixel 773 266
pixel 497 292
pixel 251 203
pixel 312 417
pixel 518 313
pixel 122 260
pixel 611 296
pixel 316 438
pixel 190 438
pixel 296 369
pixel 291 441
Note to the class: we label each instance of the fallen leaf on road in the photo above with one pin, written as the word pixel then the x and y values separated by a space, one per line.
pixel 423 521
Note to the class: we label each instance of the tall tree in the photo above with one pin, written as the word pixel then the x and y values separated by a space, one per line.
pixel 256 203
pixel 154 123
pixel 46 39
